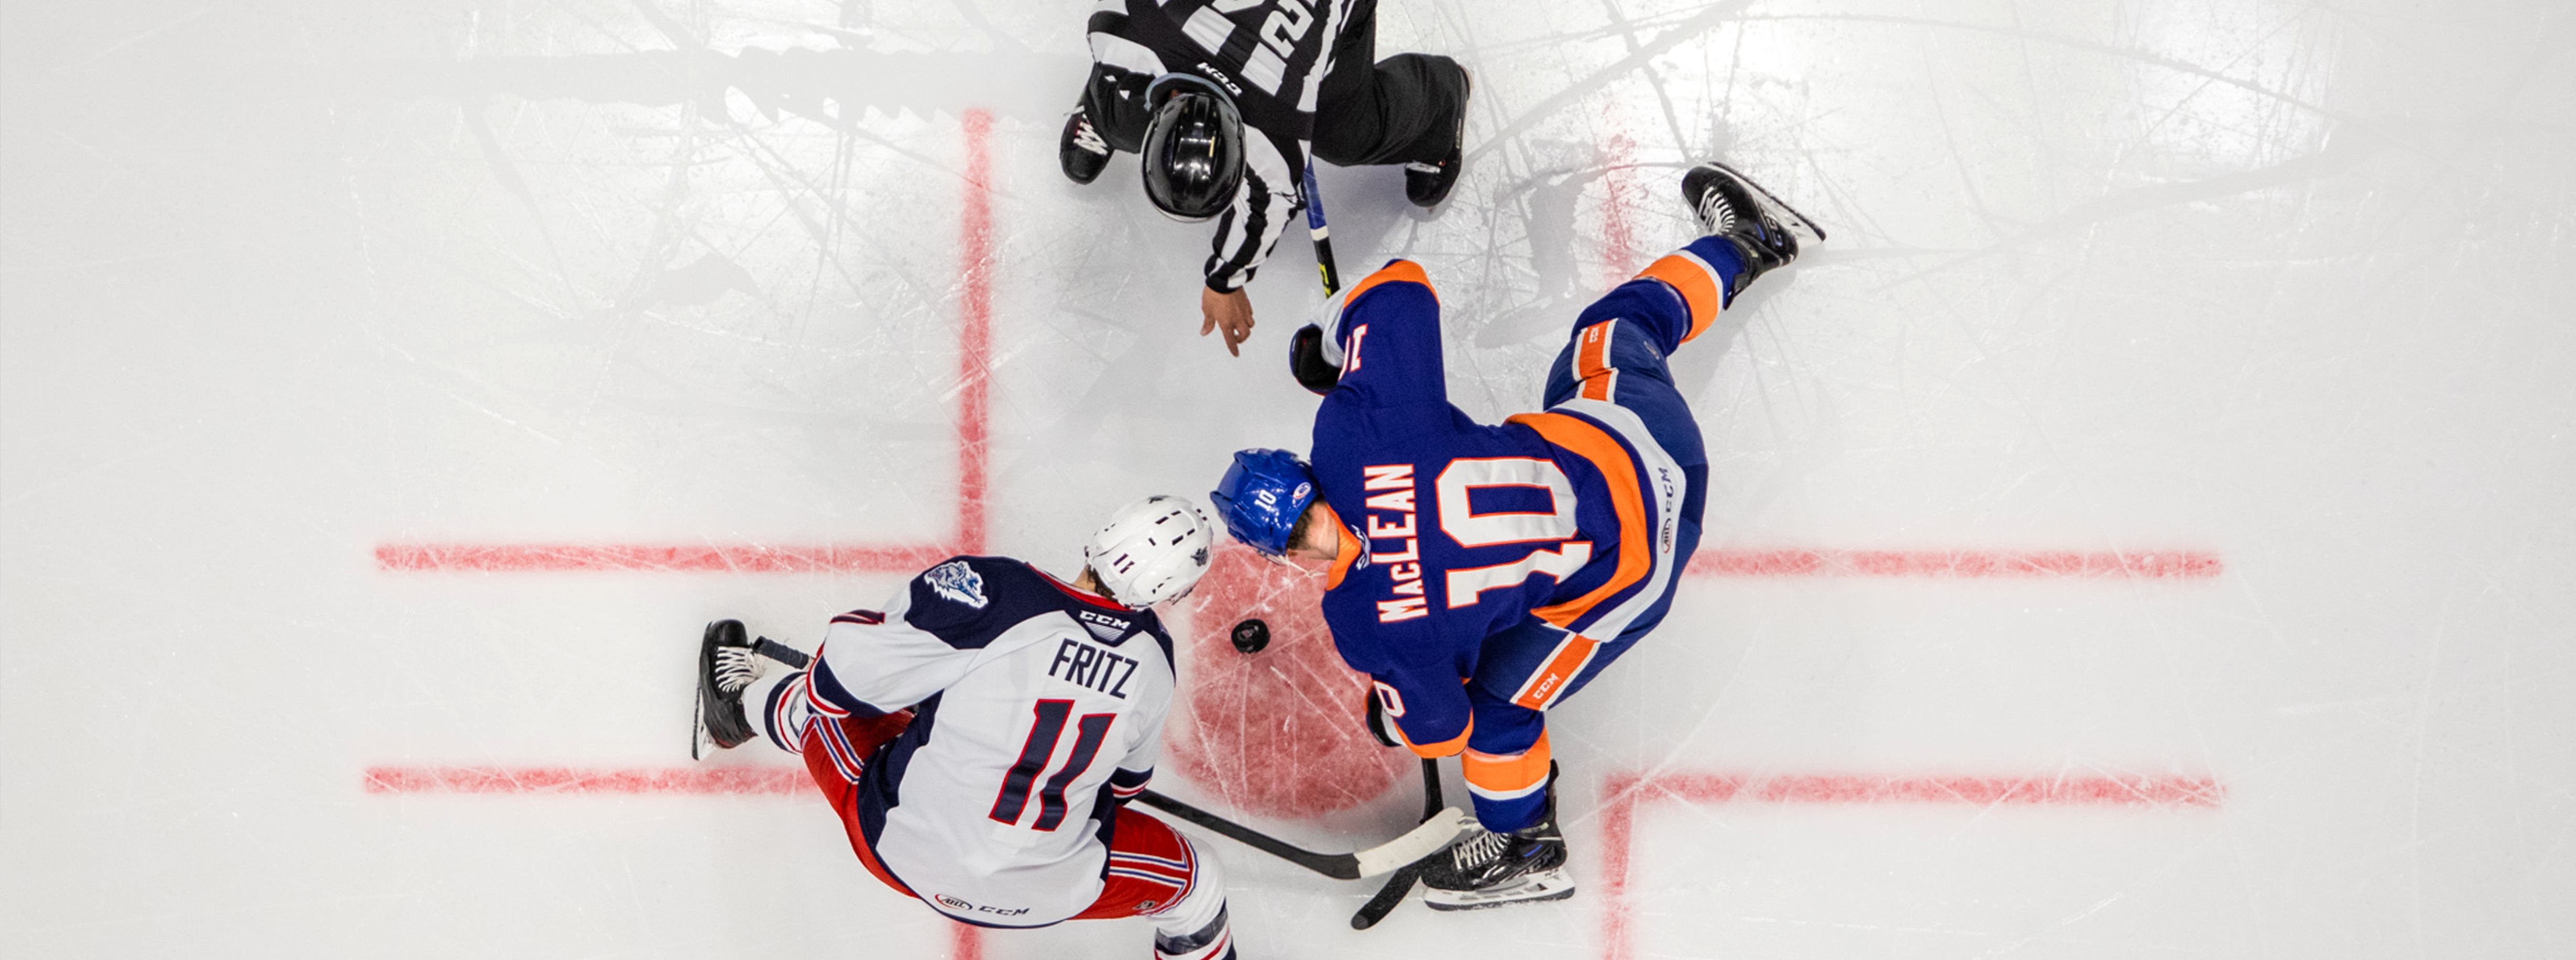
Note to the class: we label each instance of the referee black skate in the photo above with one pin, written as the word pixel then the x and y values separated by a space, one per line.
pixel 1179 83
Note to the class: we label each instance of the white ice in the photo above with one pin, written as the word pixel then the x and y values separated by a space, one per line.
pixel 2290 283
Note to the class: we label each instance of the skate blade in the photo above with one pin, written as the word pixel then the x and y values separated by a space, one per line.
pixel 1536 888
pixel 699 742
pixel 1780 210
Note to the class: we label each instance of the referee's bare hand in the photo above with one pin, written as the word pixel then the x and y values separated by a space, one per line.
pixel 1229 312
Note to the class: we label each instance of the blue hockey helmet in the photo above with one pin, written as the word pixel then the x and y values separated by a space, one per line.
pixel 1261 497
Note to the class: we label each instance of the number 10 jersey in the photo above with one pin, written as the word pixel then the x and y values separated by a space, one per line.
pixel 1562 528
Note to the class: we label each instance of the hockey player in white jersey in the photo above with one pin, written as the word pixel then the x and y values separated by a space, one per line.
pixel 981 734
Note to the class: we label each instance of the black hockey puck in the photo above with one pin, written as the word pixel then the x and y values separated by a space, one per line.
pixel 1251 635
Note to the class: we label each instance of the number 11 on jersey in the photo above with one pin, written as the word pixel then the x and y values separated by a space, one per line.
pixel 1014 798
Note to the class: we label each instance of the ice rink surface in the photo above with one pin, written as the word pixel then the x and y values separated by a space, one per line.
pixel 2143 531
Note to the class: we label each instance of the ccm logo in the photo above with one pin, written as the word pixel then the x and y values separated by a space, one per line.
pixel 954 903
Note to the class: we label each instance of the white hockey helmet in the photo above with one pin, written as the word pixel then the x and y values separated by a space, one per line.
pixel 1152 550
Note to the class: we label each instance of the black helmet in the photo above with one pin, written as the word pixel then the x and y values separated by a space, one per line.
pixel 1193 152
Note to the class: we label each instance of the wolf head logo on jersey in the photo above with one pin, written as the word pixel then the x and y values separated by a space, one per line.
pixel 956 581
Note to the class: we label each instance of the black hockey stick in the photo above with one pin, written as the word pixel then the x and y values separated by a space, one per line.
pixel 1319 233
pixel 1402 883
pixel 1433 835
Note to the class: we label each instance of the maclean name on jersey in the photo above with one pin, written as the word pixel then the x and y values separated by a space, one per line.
pixel 1405 572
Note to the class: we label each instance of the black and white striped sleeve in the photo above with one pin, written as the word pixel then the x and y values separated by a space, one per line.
pixel 1121 68
pixel 1262 209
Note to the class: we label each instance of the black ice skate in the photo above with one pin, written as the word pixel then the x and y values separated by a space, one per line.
pixel 1488 869
pixel 1766 232
pixel 1082 152
pixel 1426 184
pixel 725 667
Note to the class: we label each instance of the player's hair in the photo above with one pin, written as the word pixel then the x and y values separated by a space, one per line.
pixel 1297 530
pixel 1099 582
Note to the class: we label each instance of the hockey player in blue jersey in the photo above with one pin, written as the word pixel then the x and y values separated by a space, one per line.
pixel 1482 574
pixel 1047 699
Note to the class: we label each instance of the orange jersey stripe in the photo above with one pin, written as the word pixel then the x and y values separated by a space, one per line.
pixel 1498 773
pixel 1593 354
pixel 1636 536
pixel 1400 271
pixel 1698 286
pixel 1601 386
pixel 1435 751
pixel 1592 361
pixel 1569 659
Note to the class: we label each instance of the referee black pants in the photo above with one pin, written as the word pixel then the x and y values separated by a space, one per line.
pixel 1406 108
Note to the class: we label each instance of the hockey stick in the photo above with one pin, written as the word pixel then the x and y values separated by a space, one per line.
pixel 1402 883
pixel 1322 235
pixel 1422 841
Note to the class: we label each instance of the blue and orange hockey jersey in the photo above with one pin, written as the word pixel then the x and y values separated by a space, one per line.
pixel 1454 531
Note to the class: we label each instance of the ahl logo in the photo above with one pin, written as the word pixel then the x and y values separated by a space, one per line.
pixel 957 581
pixel 954 903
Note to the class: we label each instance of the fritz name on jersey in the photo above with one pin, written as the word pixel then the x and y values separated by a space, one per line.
pixel 1084 665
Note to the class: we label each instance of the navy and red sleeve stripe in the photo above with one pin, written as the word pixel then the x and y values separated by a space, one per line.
pixel 1125 784
pixel 835 698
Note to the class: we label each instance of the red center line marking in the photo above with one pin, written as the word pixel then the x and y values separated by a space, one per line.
pixel 1627 791
pixel 2168 564
pixel 781 558
pixel 975 340
pixel 702 558
pixel 690 781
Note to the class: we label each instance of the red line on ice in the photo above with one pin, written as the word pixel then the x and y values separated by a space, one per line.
pixel 974 356
pixel 703 558
pixel 2170 564
pixel 699 781
pixel 788 558
pixel 1626 792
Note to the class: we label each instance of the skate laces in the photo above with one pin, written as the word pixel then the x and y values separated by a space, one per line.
pixel 736 668
pixel 1715 212
pixel 1479 850
pixel 1084 136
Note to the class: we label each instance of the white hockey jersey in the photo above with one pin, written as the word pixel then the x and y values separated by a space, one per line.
pixel 1038 709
